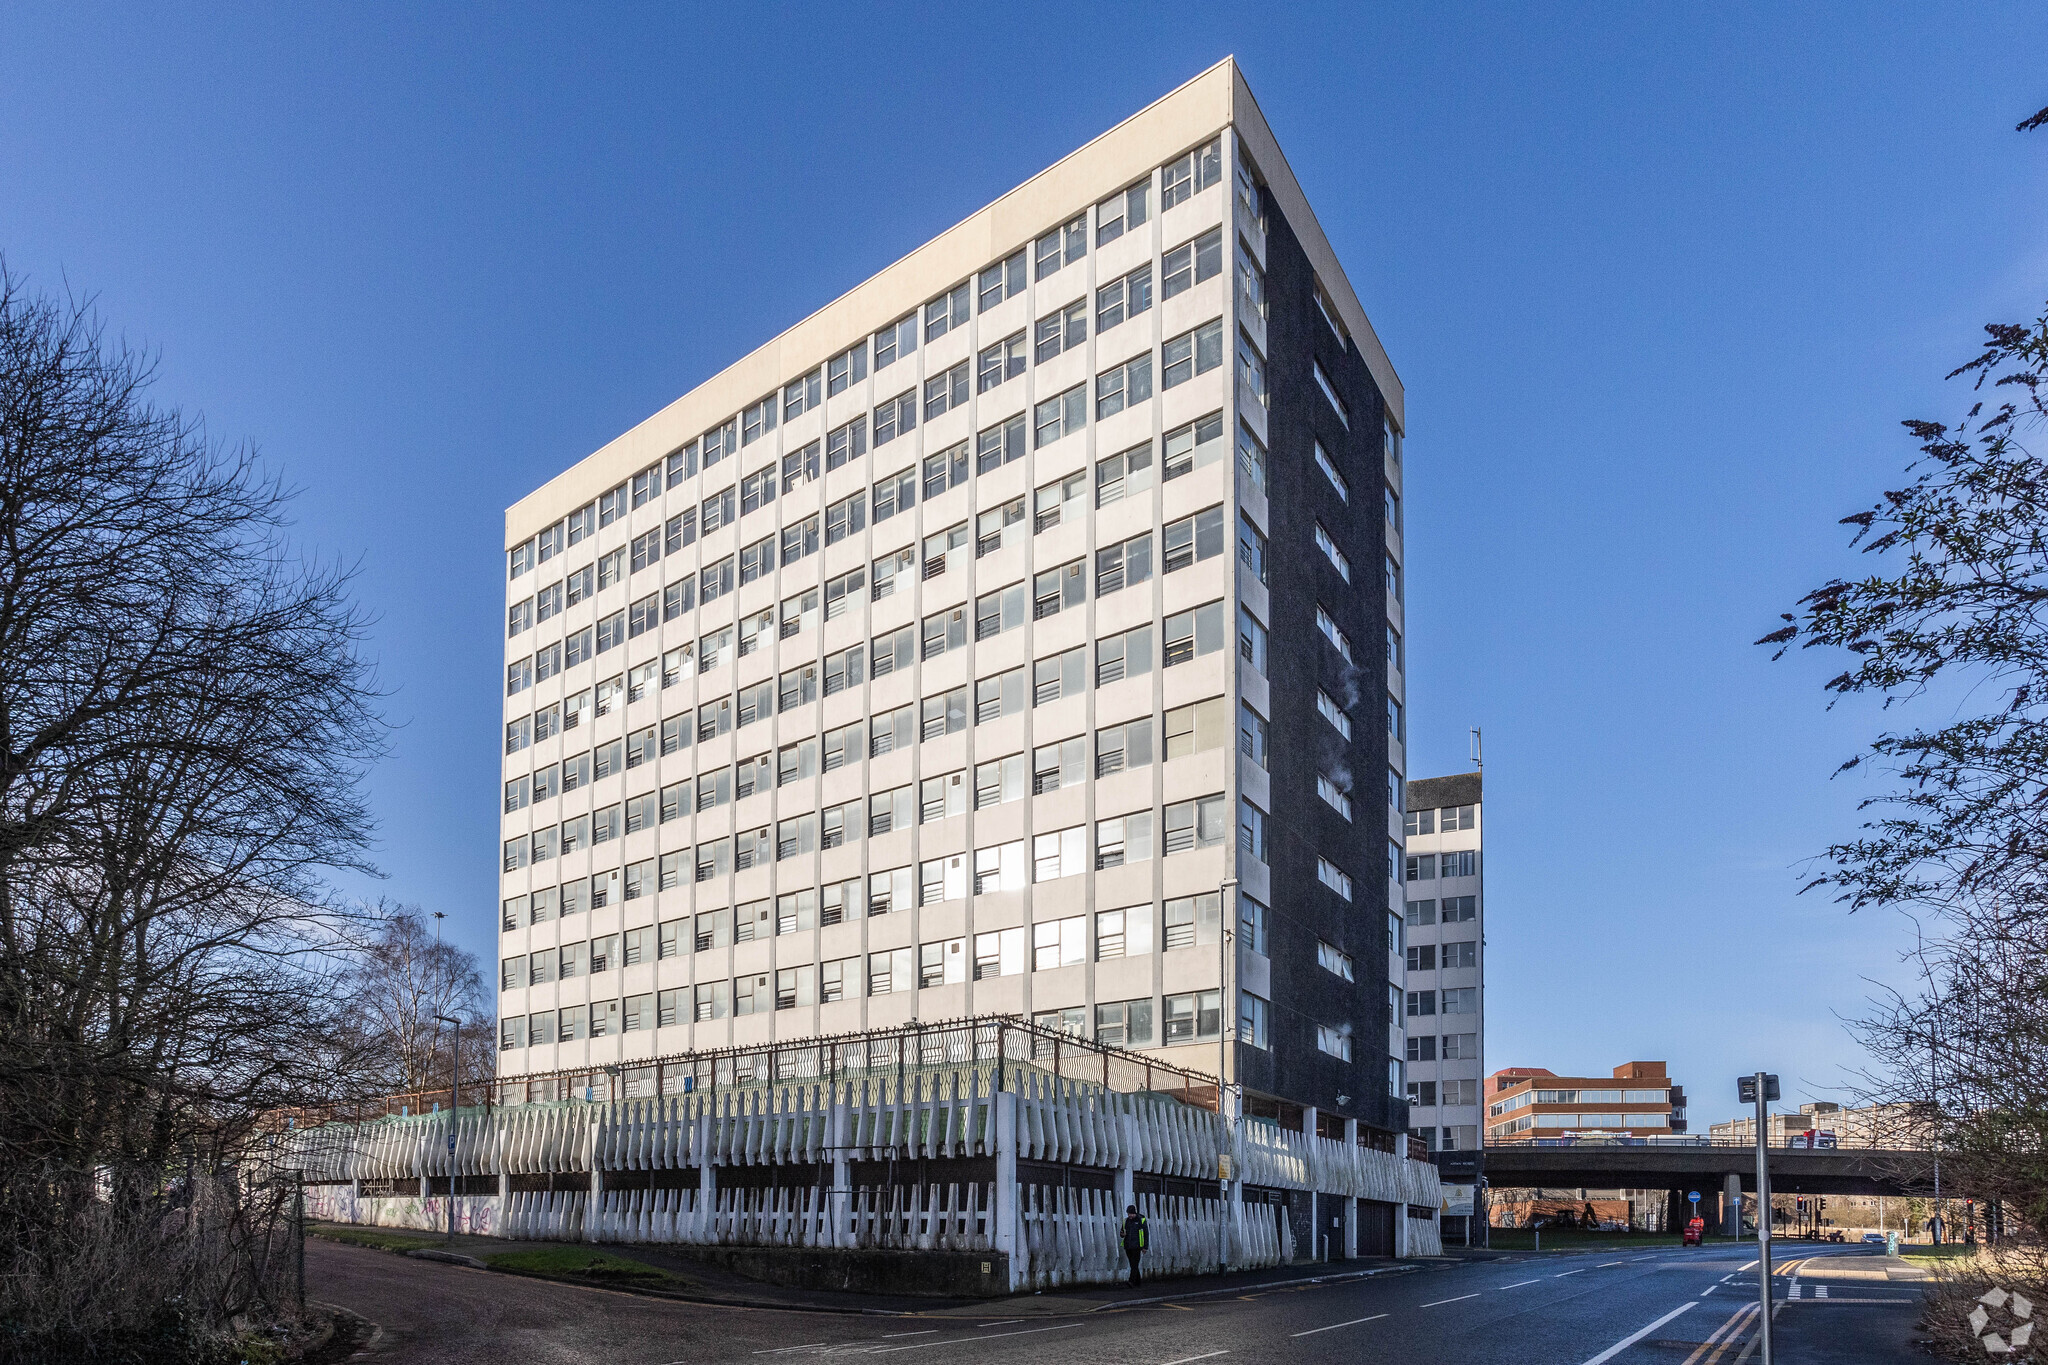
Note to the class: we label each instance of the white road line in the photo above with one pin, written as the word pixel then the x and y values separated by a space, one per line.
pixel 1441 1302
pixel 957 1341
pixel 1604 1264
pixel 1580 1271
pixel 1708 1290
pixel 1185 1359
pixel 1519 1283
pixel 890 1336
pixel 807 1346
pixel 1618 1347
pixel 1335 1325
pixel 1651 1257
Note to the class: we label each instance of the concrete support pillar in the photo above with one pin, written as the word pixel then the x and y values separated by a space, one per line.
pixel 1350 1206
pixel 1126 1174
pixel 1731 1204
pixel 1003 1238
pixel 593 1219
pixel 840 1135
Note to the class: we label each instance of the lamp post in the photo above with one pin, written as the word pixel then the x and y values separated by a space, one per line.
pixel 454 1108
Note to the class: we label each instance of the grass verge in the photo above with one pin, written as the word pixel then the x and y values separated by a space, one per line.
pixel 575 1263
pixel 381 1239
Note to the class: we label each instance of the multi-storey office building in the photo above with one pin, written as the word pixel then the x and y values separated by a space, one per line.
pixel 997 640
pixel 1529 1102
pixel 1444 964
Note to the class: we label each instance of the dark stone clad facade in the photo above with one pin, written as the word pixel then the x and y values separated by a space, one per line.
pixel 1302 743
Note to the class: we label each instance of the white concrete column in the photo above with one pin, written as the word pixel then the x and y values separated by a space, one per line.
pixel 1731 1204
pixel 1003 1237
pixel 840 1135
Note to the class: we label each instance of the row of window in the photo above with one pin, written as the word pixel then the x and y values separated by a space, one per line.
pixel 1428 957
pixel 1182 267
pixel 1450 1137
pixel 1430 1093
pixel 1463 1000
pixel 1447 820
pixel 1455 910
pixel 1131 931
pixel 1427 867
pixel 1180 826
pixel 1456 1047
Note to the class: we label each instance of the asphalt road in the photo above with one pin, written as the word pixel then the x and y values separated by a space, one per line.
pixel 1693 1307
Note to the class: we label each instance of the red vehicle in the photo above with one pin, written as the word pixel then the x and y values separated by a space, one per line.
pixel 1695 1232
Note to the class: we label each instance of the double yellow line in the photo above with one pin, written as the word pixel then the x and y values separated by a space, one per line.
pixel 1724 1337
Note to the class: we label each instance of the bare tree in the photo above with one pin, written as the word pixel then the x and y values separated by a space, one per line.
pixel 406 980
pixel 185 717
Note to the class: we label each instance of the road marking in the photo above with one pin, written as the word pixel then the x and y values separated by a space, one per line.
pixel 1519 1283
pixel 1441 1302
pixel 1731 1326
pixel 1181 1306
pixel 1335 1325
pixel 1604 1264
pixel 1708 1290
pixel 956 1341
pixel 1651 1257
pixel 1185 1359
pixel 927 1331
pixel 1580 1271
pixel 807 1346
pixel 1618 1347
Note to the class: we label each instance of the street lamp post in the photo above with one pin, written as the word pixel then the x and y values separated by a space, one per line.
pixel 454 1108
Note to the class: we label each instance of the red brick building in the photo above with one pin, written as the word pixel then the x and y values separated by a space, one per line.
pixel 1529 1102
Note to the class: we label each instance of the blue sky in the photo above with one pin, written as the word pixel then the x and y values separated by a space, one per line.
pixel 1660 285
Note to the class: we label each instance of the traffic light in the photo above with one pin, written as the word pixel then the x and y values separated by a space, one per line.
pixel 1801 1205
pixel 1820 1205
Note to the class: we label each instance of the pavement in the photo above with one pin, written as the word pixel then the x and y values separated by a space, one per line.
pixel 1695 1306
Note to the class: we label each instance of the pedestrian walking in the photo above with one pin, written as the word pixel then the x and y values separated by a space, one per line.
pixel 1134 1239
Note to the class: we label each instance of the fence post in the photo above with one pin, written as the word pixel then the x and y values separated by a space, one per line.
pixel 1003 1235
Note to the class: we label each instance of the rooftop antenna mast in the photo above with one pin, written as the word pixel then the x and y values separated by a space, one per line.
pixel 1478 761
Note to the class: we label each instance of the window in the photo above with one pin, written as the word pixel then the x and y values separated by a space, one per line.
pixel 679 597
pixel 547 603
pixel 998 781
pixel 1456 955
pixel 800 540
pixel 1120 566
pixel 1122 211
pixel 947 469
pixel 1394 727
pixel 1251 371
pixel 1061 853
pixel 801 395
pixel 1119 748
pixel 999 696
pixel 1334 877
pixel 895 417
pixel 757 560
pixel 757 490
pixel 998 954
pixel 1123 474
pixel 1125 386
pixel 1329 710
pixel 1189 635
pixel 550 540
pixel 718 510
pixel 519 617
pixel 1190 447
pixel 1252 833
pixel 996 446
pixel 844 669
pixel 518 677
pixel 1063 330
pixel 1394 648
pixel 1333 959
pixel 944 630
pixel 999 364
pixel 1123 933
pixel 1061 415
pixel 1057 588
pixel 1124 298
pixel 896 493
pixel 1003 280
pixel 1251 283
pixel 1123 656
pixel 521 559
pixel 1251 458
pixel 1190 540
pixel 895 341
pixel 795 687
pixel 1196 1017
pixel 1421 1003
pixel 1332 633
pixel 1191 353
pixel 1330 392
pixel 1464 863
pixel 943 392
pixel 1190 263
pixel 848 516
pixel 1193 729
pixel 1336 797
pixel 1336 1041
pixel 758 420
pixel 518 734
pixel 1462 1000
pixel 581 584
pixel 1393 579
pixel 994 613
pixel 714 581
pixel 893 651
pixel 948 311
pixel 1061 764
pixel 1194 824
pixel 1061 675
pixel 890 810
pixel 846 443
pixel 1000 868
pixel 1251 639
pixel 1191 174
pixel 1251 548
pixel 1059 943
pixel 1328 546
pixel 1460 909
pixel 945 714
pixel 989 527
pixel 1061 247
pixel 1393 510
pixel 1123 839
pixel 1254 1020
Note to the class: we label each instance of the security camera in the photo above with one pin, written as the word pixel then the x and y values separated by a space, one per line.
pixel 1343 1100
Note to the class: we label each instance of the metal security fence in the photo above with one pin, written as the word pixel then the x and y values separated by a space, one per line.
pixel 993 1136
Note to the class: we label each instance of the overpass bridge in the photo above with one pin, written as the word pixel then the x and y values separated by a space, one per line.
pixel 1719 1171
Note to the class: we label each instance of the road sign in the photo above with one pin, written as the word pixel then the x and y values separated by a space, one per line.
pixel 1694 1196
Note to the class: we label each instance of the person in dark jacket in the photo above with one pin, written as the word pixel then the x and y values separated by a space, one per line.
pixel 1134 1238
